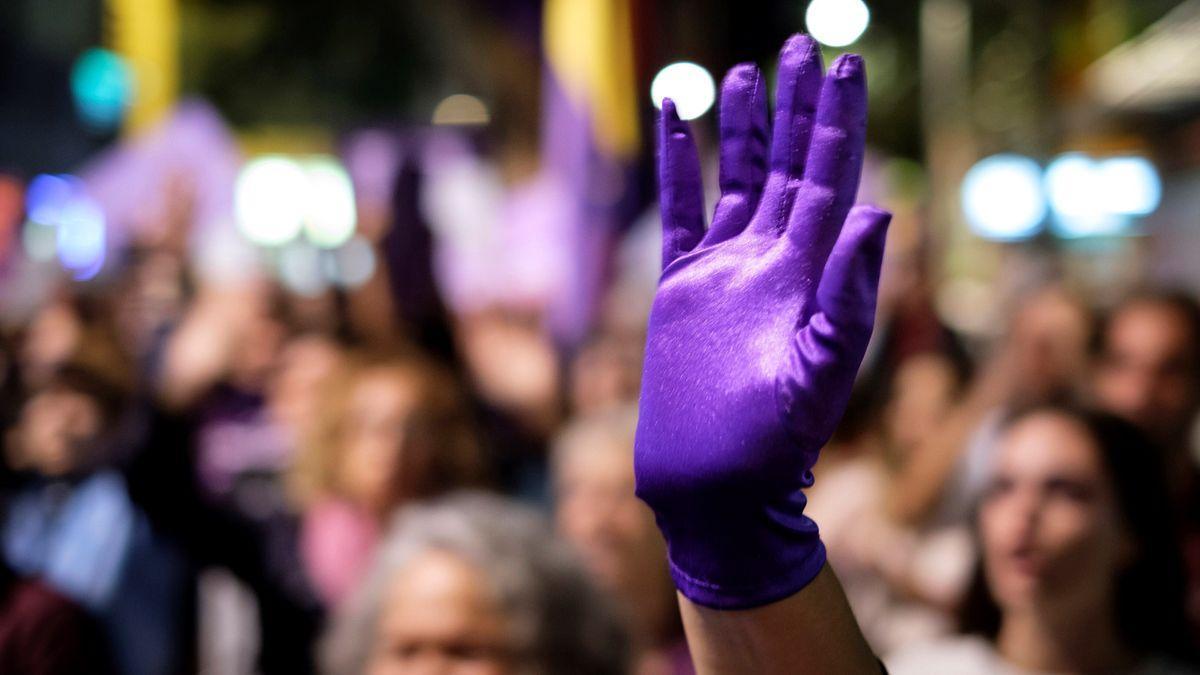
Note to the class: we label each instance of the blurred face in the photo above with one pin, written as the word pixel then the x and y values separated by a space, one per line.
pixel 54 334
pixel 153 298
pixel 258 350
pixel 374 436
pixel 305 367
pixel 605 374
pixel 1053 540
pixel 1049 341
pixel 922 394
pixel 1146 374
pixel 441 618
pixel 56 427
pixel 600 515
pixel 513 365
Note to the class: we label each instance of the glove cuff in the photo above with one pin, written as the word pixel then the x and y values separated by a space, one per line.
pixel 785 573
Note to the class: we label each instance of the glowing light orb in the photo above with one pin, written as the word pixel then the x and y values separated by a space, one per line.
pixel 1129 185
pixel 300 269
pixel 689 85
pixel 102 84
pixel 1002 197
pixel 352 265
pixel 330 219
pixel 271 200
pixel 1100 197
pixel 837 23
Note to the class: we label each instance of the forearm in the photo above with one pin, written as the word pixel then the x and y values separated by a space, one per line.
pixel 812 631
pixel 921 483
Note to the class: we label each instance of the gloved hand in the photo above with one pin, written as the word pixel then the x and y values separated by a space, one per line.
pixel 758 327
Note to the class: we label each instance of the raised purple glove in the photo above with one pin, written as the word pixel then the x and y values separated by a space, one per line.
pixel 758 327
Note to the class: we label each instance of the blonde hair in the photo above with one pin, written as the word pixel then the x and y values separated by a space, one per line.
pixel 441 430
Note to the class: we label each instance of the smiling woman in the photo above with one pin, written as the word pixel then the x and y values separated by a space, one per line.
pixel 1080 572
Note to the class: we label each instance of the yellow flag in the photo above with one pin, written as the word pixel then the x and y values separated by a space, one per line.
pixel 589 48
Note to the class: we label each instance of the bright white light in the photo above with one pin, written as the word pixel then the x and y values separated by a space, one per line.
pixel 1099 197
pixel 1070 186
pixel 80 237
pixel 300 269
pixel 330 219
pixel 270 200
pixel 352 265
pixel 1129 185
pixel 1002 197
pixel 689 85
pixel 837 23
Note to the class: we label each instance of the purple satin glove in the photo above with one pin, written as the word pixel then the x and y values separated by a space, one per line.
pixel 758 327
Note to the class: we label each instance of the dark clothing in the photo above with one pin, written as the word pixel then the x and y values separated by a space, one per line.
pixel 44 633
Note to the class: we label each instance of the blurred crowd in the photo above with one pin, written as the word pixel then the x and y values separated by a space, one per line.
pixel 421 475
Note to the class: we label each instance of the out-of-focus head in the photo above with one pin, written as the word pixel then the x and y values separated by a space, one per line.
pixel 922 391
pixel 1052 528
pixel 307 364
pixel 513 365
pixel 596 508
pixel 1076 523
pixel 1147 366
pixel 395 428
pixel 261 335
pixel 1049 338
pixel 474 584
pixel 62 426
pixel 152 294
pixel 606 373
pixel 72 331
pixel 51 337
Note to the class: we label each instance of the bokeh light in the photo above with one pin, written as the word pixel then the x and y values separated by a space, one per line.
pixel 351 265
pixel 461 110
pixel 270 200
pixel 80 237
pixel 102 84
pixel 38 240
pixel 46 196
pixel 330 219
pixel 1002 197
pixel 1070 182
pixel 64 221
pixel 1100 197
pixel 300 270
pixel 689 85
pixel 837 23
pixel 1129 185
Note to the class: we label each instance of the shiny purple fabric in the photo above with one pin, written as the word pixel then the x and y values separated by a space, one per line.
pixel 758 327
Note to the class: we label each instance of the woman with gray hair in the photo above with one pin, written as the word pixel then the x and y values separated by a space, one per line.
pixel 475 584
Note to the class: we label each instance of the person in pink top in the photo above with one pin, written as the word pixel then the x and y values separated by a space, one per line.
pixel 393 428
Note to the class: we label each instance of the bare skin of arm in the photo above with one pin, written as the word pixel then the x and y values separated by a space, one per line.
pixel 920 484
pixel 811 632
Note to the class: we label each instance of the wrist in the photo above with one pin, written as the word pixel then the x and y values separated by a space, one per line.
pixel 741 554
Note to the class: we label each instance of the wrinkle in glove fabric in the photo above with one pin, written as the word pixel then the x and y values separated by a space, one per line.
pixel 758 326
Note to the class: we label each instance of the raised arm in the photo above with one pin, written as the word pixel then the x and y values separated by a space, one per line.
pixel 756 334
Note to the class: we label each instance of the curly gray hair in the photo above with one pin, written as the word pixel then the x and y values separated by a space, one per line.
pixel 558 615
